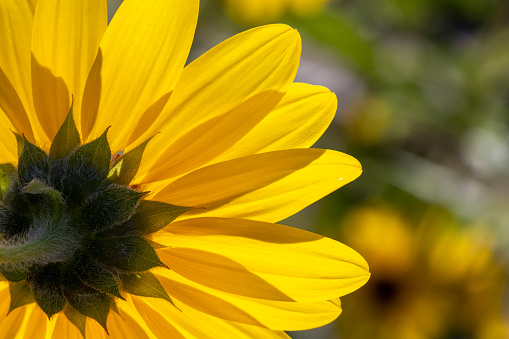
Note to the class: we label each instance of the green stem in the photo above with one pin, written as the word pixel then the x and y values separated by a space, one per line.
pixel 49 246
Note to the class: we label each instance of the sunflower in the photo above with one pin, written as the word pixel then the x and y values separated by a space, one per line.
pixel 437 280
pixel 138 197
pixel 255 12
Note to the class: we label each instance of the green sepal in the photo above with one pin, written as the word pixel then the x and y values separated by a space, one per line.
pixel 14 274
pixel 87 168
pixel 32 164
pixel 76 318
pixel 97 276
pixel 125 168
pixel 114 307
pixel 95 305
pixel 151 216
pixel 21 295
pixel 37 187
pixel 66 140
pixel 131 254
pixel 47 288
pixel 156 245
pixel 7 171
pixel 146 285
pixel 20 141
pixel 110 207
pixel 11 221
pixel 96 154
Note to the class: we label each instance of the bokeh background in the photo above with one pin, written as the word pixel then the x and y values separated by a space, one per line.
pixel 423 89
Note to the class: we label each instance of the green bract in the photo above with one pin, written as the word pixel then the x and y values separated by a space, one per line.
pixel 72 229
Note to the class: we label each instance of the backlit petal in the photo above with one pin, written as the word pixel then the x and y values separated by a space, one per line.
pixel 277 315
pixel 9 325
pixel 8 145
pixel 267 261
pixel 213 137
pixel 140 60
pixel 268 186
pixel 167 321
pixel 129 324
pixel 36 323
pixel 15 85
pixel 258 60
pixel 66 36
pixel 297 122
pixel 65 329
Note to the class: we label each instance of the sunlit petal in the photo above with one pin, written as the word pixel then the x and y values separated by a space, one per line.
pixel 132 78
pixel 268 186
pixel 66 36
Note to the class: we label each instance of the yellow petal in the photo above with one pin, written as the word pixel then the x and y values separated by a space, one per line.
pixel 129 324
pixel 65 329
pixel 141 58
pixel 158 320
pixel 165 320
pixel 15 38
pixel 36 324
pixel 8 145
pixel 211 138
pixel 9 325
pixel 33 5
pixel 258 60
pixel 297 122
pixel 276 315
pixel 268 186
pixel 266 261
pixel 12 107
pixel 66 36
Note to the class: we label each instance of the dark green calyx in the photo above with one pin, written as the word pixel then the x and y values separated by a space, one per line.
pixel 73 228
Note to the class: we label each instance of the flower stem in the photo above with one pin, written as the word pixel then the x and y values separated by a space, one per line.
pixel 49 245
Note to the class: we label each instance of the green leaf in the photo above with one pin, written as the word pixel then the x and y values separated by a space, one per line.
pixel 97 276
pixel 145 285
pixel 131 254
pixel 14 274
pixel 76 318
pixel 47 288
pixel 32 164
pixel 94 305
pixel 66 139
pixel 21 295
pixel 110 207
pixel 7 171
pixel 125 168
pixel 151 216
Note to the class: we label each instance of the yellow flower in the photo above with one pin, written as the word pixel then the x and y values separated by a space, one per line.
pixel 432 281
pixel 181 242
pixel 255 12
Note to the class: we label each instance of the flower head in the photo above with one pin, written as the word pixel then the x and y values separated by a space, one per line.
pixel 138 196
pixel 437 280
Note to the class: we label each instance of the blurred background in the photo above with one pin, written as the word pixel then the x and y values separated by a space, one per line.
pixel 423 89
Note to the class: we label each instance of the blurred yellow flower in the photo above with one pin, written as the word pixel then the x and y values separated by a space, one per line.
pixel 225 144
pixel 255 12
pixel 431 281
